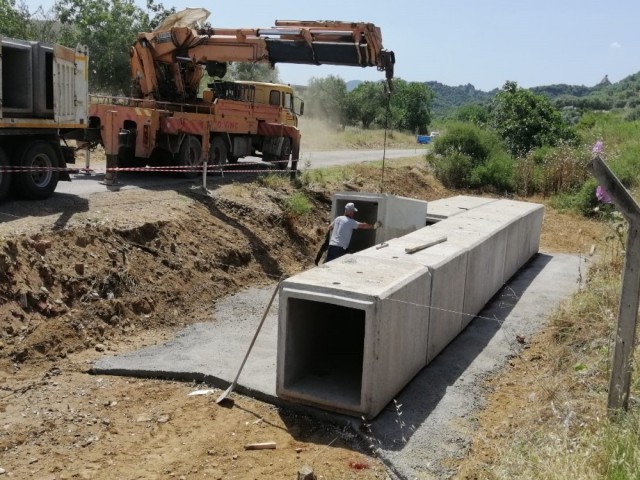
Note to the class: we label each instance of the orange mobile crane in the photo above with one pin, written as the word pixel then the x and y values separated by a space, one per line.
pixel 167 121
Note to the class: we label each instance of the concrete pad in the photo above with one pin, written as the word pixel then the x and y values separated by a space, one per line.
pixel 435 403
pixel 352 333
pixel 212 352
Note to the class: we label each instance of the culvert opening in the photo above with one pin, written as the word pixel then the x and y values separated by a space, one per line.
pixel 324 351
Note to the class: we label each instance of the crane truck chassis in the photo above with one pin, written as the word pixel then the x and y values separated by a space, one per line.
pixel 231 121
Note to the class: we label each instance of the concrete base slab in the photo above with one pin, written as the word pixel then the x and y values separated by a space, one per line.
pixel 434 404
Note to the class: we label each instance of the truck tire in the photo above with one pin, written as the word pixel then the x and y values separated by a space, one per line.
pixel 285 154
pixel 218 152
pixel 5 177
pixel 40 182
pixel 189 155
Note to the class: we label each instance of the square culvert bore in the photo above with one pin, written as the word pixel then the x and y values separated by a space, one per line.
pixel 324 351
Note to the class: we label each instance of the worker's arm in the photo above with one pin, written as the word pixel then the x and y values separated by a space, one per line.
pixel 369 226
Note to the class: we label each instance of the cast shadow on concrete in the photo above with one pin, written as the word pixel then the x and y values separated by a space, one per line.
pixel 421 396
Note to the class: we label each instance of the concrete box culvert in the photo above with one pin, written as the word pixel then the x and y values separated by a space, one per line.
pixel 338 324
pixel 447 265
pixel 352 333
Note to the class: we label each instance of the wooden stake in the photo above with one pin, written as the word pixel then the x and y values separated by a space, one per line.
pixel 425 245
pixel 620 381
pixel 260 446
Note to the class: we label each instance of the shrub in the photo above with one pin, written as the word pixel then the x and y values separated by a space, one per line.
pixel 583 200
pixel 470 156
pixel 498 173
pixel 466 139
pixel 553 170
pixel 453 170
pixel 586 200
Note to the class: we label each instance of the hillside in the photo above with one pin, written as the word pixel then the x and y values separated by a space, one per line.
pixel 624 94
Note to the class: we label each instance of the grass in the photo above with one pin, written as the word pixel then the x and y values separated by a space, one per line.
pixel 297 204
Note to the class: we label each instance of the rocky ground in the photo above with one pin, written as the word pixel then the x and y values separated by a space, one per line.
pixel 85 277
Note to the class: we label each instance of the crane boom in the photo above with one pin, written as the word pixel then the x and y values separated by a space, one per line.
pixel 167 64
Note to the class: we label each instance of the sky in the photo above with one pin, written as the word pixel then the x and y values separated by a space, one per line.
pixel 458 42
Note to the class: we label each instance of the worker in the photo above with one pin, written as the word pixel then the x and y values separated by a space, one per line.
pixel 341 230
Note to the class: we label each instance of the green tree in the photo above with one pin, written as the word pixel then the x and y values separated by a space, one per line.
pixel 526 121
pixel 325 98
pixel 17 21
pixel 473 113
pixel 366 104
pixel 108 28
pixel 411 106
pixel 257 72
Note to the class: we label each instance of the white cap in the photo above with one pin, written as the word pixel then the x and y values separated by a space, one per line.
pixel 351 207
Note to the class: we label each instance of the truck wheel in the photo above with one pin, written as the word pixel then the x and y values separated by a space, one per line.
pixel 286 153
pixel 218 152
pixel 5 177
pixel 189 155
pixel 39 183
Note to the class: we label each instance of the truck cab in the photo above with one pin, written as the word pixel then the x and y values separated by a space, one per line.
pixel 263 93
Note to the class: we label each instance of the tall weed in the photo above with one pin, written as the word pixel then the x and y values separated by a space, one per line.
pixel 297 204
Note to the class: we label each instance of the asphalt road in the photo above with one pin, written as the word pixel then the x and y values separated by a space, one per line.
pixel 82 184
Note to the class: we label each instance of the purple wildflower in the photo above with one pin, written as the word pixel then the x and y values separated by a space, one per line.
pixel 598 147
pixel 602 195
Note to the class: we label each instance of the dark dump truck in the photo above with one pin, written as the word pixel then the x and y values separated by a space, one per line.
pixel 43 110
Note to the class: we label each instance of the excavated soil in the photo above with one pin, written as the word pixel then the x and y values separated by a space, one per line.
pixel 82 277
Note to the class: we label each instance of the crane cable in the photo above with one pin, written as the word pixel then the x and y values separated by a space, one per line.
pixel 387 92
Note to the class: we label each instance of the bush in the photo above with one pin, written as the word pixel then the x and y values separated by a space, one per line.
pixel 466 139
pixel 498 173
pixel 453 170
pixel 586 200
pixel 470 156
pixel 582 201
pixel 552 170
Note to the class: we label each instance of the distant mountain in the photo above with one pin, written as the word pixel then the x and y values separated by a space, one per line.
pixel 624 94
pixel 351 84
pixel 447 98
pixel 605 95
